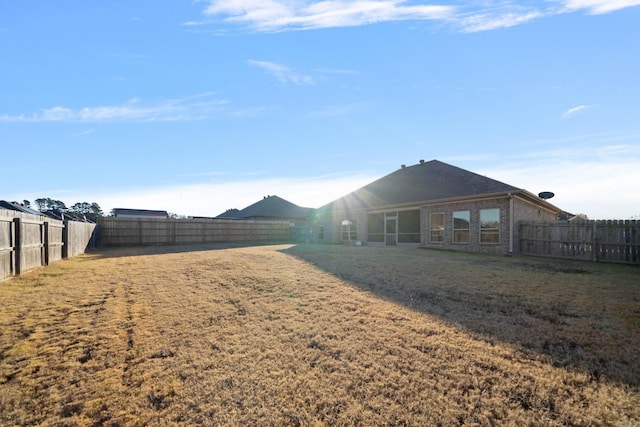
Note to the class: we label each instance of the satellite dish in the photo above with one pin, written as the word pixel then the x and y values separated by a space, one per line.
pixel 546 195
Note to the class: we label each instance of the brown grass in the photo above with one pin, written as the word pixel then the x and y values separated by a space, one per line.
pixel 319 335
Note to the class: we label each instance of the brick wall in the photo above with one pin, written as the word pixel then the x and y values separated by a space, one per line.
pixel 474 208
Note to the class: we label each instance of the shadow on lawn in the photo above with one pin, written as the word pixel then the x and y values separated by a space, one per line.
pixel 576 315
pixel 132 251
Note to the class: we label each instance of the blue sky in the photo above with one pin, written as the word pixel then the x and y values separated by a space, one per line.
pixel 196 107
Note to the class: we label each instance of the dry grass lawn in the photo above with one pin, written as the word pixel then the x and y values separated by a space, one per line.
pixel 319 335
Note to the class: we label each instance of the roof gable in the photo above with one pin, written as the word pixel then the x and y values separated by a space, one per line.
pixel 273 207
pixel 229 214
pixel 427 181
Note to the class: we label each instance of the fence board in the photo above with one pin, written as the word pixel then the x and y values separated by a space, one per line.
pixel 30 241
pixel 7 251
pixel 142 232
pixel 55 242
pixel 80 237
pixel 31 249
pixel 602 240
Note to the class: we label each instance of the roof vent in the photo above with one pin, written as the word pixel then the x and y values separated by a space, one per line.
pixel 421 161
pixel 546 195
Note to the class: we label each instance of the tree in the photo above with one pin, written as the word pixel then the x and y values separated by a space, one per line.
pixel 26 203
pixel 81 208
pixel 90 211
pixel 48 204
pixel 96 209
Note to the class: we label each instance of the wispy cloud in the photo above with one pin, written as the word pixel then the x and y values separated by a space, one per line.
pixel 190 108
pixel 83 133
pixel 596 7
pixel 273 15
pixel 465 15
pixel 283 73
pixel 493 20
pixel 576 110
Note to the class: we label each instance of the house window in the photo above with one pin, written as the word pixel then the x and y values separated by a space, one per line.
pixel 490 225
pixel 375 227
pixel 321 232
pixel 461 220
pixel 436 228
pixel 349 230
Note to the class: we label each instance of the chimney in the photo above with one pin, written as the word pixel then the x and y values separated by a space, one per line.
pixel 421 161
pixel 403 166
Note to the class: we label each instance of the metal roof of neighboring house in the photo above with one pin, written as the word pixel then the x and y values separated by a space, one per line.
pixel 57 214
pixel 18 207
pixel 272 207
pixel 140 212
pixel 424 182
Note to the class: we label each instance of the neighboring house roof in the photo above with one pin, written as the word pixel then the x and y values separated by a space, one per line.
pixel 271 207
pixel 18 207
pixel 140 213
pixel 57 214
pixel 229 214
pixel 421 183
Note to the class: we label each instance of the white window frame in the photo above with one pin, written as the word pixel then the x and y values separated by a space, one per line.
pixel 440 231
pixel 491 230
pixel 457 230
pixel 349 229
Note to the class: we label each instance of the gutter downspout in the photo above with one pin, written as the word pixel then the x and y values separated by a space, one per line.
pixel 510 223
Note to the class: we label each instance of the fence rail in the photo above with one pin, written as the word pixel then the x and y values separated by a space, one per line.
pixel 30 241
pixel 602 240
pixel 147 232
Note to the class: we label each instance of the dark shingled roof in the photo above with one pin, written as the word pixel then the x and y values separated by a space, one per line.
pixel 229 214
pixel 273 207
pixel 427 181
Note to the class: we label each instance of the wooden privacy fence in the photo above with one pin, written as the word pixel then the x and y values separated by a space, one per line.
pixel 144 232
pixel 606 241
pixel 30 241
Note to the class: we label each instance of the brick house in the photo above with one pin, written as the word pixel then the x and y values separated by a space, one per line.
pixel 435 205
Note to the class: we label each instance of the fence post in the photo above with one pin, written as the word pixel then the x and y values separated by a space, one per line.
pixel 65 239
pixel 173 232
pixel 45 230
pixel 594 242
pixel 18 243
pixel 94 236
